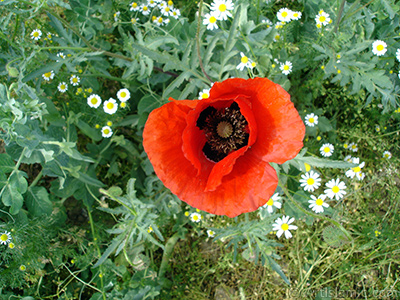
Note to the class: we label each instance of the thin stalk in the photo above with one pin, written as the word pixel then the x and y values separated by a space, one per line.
pixel 95 243
pixel 36 180
pixel 198 42
pixel 294 202
pixel 132 211
pixel 169 247
pixel 339 16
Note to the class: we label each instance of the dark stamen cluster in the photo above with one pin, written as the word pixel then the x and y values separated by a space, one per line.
pixel 225 130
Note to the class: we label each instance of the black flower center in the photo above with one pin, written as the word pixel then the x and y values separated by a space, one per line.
pixel 226 130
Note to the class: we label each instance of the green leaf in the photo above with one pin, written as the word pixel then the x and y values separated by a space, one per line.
pixel 319 48
pixel 6 163
pixel 89 180
pixel 148 103
pixel 114 245
pixel 324 163
pixel 59 28
pixel 334 237
pixel 277 268
pixel 13 198
pixel 324 124
pixel 38 202
pixel 88 130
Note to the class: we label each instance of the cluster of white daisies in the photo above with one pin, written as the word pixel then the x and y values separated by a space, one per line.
pixel 220 10
pixel 159 10
pixel 110 107
pixel 196 217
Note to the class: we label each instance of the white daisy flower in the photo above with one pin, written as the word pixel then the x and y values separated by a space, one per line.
pixel 311 120
pixel 356 171
pixel 348 158
pixel 322 18
pixel 222 8
pixel 318 204
pixel 296 15
pixel 244 62
pixel 116 16
pixel 326 150
pixel 94 101
pixel 61 55
pixel 176 13
pixel 273 201
pixel 106 131
pixel 267 22
pixel 195 217
pixel 152 3
pixel 210 233
pixel 123 95
pixel 310 181
pixel 36 34
pixel 284 15
pixel 398 54
pixel 5 238
pixel 62 87
pixel 379 47
pixel 48 76
pixel 145 9
pixel 282 225
pixel 110 106
pixel 211 21
pixel 159 21
pixel 204 94
pixel 353 147
pixel 336 189
pixel 166 11
pixel 387 155
pixel 286 67
pixel 134 6
pixel 74 80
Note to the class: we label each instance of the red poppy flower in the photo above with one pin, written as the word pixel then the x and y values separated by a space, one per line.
pixel 214 153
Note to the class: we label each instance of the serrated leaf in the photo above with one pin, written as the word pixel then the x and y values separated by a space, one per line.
pixel 148 103
pixel 38 202
pixel 113 246
pixel 319 48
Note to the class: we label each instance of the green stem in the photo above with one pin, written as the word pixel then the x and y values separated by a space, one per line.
pixel 339 16
pixel 169 247
pixel 38 177
pixel 95 242
pixel 132 211
pixel 65 48
pixel 198 42
pixel 294 202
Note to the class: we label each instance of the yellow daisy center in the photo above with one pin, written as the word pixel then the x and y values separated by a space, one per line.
pixel 75 80
pixel 93 100
pixel 310 181
pixel 319 202
pixel 106 131
pixel 160 20
pixel 286 67
pixel 285 226
pixel 213 19
pixel 356 169
pixel 270 202
pixel 244 59
pixel 277 37
pixel 123 104
pixel 327 150
pixel 4 237
pixel 222 7
pixel 134 4
pixel 110 105
pixel 322 19
pixel 145 8
pixel 167 9
pixel 36 34
pixel 195 217
pixel 335 189
pixel 380 47
pixel 295 15
pixel 284 14
pixel 204 96
pixel 123 94
pixel 48 74
pixel 62 86
pixel 311 120
pixel 170 3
